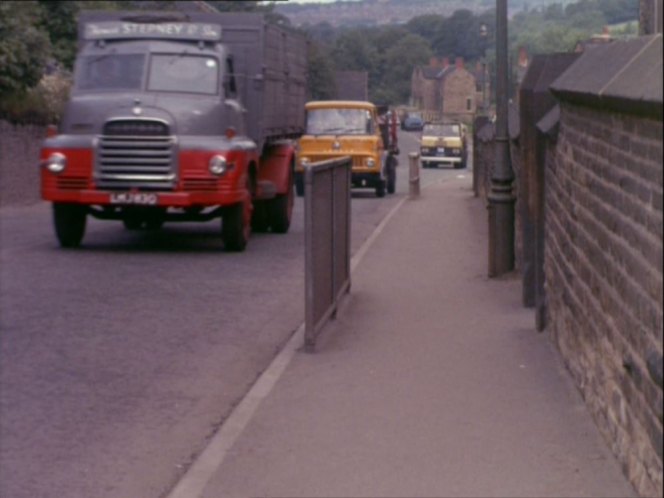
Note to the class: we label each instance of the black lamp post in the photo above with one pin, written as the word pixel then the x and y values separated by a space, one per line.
pixel 501 198
pixel 484 34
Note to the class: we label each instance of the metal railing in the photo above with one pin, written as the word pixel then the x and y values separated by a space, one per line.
pixel 327 242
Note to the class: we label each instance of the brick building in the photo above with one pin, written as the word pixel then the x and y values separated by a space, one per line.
pixel 443 90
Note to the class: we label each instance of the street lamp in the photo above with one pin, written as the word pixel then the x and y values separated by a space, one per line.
pixel 501 198
pixel 484 34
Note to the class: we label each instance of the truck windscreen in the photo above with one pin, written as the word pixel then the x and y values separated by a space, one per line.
pixel 110 72
pixel 339 121
pixel 167 73
pixel 184 73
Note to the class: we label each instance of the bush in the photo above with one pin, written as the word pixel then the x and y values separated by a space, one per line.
pixel 42 104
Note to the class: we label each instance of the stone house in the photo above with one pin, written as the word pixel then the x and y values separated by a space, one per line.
pixel 443 90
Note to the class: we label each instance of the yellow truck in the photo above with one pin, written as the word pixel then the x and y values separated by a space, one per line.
pixel 443 143
pixel 346 128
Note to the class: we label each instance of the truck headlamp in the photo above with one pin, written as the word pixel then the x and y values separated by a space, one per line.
pixel 56 163
pixel 371 162
pixel 305 161
pixel 218 165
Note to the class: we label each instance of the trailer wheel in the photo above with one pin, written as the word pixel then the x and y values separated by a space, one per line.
pixel 280 211
pixel 69 221
pixel 235 227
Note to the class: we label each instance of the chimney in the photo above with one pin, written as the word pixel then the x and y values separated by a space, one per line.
pixel 434 62
pixel 459 62
pixel 523 57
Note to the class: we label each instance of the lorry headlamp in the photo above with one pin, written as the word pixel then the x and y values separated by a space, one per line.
pixel 305 161
pixel 371 162
pixel 56 162
pixel 218 165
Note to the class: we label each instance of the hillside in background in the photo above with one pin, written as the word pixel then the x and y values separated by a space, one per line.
pixel 381 12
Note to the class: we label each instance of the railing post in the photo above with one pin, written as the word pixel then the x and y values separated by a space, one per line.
pixel 414 175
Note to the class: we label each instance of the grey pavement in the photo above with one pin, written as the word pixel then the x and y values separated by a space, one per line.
pixel 431 382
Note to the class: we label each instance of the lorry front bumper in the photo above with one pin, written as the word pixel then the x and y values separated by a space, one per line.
pixel 362 180
pixel 146 198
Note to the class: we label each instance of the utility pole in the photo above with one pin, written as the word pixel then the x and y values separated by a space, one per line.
pixel 501 198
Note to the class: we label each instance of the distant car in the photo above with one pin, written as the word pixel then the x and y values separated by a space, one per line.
pixel 412 123
pixel 443 143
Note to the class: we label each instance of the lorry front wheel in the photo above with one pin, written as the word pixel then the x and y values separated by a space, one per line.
pixel 380 187
pixel 69 221
pixel 299 184
pixel 280 211
pixel 391 176
pixel 235 227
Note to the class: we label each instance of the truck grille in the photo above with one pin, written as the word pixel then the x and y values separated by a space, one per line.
pixel 135 155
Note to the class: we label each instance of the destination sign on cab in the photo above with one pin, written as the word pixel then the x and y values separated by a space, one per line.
pixel 119 29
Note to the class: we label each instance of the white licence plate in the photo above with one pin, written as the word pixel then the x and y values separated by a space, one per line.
pixel 139 198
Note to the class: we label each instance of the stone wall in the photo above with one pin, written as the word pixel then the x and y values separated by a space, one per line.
pixel 603 266
pixel 458 88
pixel 19 163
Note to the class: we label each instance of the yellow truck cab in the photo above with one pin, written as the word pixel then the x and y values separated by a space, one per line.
pixel 345 128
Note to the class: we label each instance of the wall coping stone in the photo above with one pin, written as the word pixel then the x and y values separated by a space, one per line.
pixel 623 76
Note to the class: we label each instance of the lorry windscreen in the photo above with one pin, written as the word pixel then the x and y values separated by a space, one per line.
pixel 184 73
pixel 110 72
pixel 339 122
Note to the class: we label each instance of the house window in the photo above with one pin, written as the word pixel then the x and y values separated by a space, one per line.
pixel 469 104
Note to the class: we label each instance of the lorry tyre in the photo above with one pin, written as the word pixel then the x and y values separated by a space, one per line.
pixel 280 212
pixel 69 221
pixel 391 176
pixel 259 221
pixel 380 188
pixel 299 184
pixel 132 223
pixel 234 228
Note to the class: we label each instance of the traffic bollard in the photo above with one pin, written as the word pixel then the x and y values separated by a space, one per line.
pixel 414 175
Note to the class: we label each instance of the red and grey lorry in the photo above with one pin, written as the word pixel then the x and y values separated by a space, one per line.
pixel 178 117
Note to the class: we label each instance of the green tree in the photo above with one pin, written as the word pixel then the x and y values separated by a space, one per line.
pixel 320 74
pixel 58 19
pixel 24 50
pixel 400 60
pixel 353 51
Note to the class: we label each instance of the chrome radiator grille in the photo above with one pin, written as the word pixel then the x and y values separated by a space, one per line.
pixel 139 160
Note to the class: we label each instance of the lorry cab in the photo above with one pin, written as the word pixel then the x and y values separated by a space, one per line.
pixel 344 128
pixel 173 117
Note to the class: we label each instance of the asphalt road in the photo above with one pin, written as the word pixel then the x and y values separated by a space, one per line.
pixel 120 359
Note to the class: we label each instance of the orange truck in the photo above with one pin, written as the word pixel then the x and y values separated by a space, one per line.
pixel 348 128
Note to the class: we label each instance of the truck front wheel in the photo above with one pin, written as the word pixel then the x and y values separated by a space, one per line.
pixel 299 184
pixel 235 227
pixel 280 211
pixel 391 175
pixel 69 221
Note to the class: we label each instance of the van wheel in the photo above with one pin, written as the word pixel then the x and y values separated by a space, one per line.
pixel 280 211
pixel 69 221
